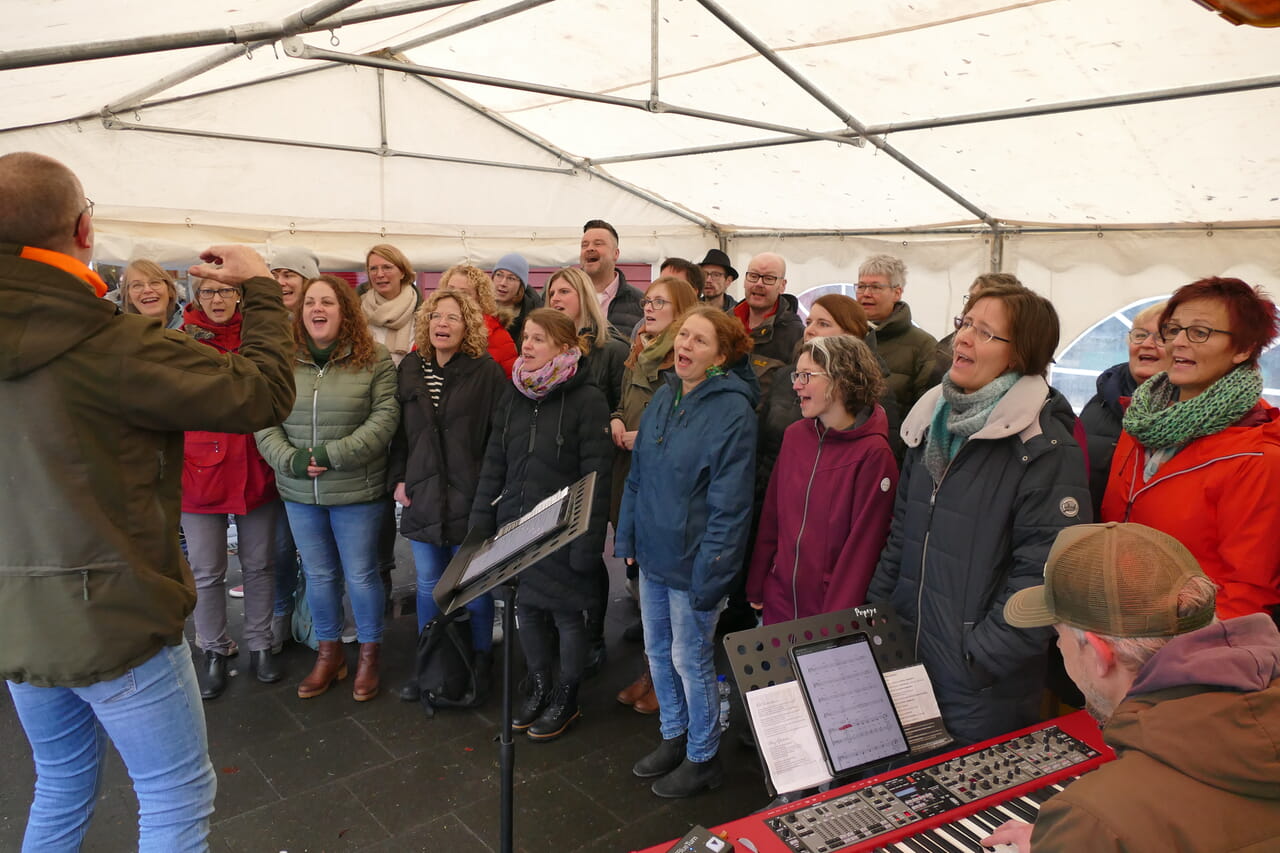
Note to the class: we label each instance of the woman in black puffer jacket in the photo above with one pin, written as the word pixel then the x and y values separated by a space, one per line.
pixel 550 434
pixel 448 388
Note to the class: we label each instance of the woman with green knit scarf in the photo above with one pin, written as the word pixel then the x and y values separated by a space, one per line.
pixel 1199 457
pixel 993 471
pixel 650 361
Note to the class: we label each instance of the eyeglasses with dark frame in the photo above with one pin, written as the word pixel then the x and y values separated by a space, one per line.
pixel 984 335
pixel 657 302
pixel 224 293
pixel 872 288
pixel 1195 334
pixel 771 280
pixel 802 377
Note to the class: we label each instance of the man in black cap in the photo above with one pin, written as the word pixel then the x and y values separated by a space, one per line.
pixel 719 274
pixel 1190 705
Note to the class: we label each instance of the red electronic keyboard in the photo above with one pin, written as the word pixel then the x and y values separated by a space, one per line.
pixel 942 804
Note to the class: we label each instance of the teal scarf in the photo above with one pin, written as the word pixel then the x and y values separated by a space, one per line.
pixel 958 416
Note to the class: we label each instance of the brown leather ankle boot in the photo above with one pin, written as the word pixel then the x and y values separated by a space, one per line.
pixel 640 687
pixel 331 666
pixel 366 684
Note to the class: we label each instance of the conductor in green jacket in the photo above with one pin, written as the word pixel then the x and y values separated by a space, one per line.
pixel 94 590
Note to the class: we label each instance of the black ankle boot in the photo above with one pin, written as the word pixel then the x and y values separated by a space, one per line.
pixel 262 665
pixel 691 777
pixel 663 760
pixel 561 710
pixel 535 701
pixel 215 678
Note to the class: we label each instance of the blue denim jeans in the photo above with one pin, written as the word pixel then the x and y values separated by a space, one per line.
pixel 285 561
pixel 679 642
pixel 430 562
pixel 340 543
pixel 154 716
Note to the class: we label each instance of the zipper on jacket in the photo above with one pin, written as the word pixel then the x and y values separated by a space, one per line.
pixel 315 426
pixel 84 582
pixel 804 519
pixel 1133 496
pixel 924 548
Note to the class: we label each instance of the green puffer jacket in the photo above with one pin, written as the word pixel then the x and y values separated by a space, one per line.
pixel 349 415
pixel 93 405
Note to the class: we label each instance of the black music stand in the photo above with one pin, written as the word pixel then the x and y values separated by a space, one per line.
pixel 498 559
pixel 759 656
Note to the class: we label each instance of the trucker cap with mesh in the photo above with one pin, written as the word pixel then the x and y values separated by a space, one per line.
pixel 1120 580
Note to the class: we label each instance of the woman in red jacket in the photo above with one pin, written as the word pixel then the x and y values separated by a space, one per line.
pixel 830 499
pixel 222 474
pixel 1199 457
pixel 476 282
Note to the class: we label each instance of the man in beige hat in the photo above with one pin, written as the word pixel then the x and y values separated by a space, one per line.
pixel 1190 705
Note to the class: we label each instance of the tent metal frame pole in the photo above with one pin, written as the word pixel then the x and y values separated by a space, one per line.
pixel 997 249
pixel 116 124
pixel 227 54
pixel 844 115
pixel 478 21
pixel 653 52
pixel 1246 85
pixel 584 166
pixel 260 31
pixel 382 108
pixel 301 50
pixel 1006 230
pixel 707 149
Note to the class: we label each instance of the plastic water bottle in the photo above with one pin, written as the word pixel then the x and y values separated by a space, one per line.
pixel 722 687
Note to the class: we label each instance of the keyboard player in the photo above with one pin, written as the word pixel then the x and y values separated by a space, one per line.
pixel 1191 705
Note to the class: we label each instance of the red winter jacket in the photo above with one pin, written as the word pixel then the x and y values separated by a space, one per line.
pixel 825 519
pixel 222 472
pixel 1220 497
pixel 501 347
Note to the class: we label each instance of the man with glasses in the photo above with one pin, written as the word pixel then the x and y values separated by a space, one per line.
pixel 95 592
pixel 907 349
pixel 718 274
pixel 769 313
pixel 514 295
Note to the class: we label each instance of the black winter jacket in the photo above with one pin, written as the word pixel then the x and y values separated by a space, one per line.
pixel 957 551
pixel 1102 420
pixel 437 452
pixel 625 310
pixel 605 365
pixel 535 449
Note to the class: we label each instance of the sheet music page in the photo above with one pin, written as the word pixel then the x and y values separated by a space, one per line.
pixel 917 707
pixel 785 737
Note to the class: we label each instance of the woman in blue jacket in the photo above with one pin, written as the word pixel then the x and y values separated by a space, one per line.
pixel 685 514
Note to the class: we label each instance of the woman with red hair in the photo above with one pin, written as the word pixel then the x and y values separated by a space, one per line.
pixel 1199 457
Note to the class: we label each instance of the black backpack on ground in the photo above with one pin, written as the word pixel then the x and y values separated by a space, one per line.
pixel 445 666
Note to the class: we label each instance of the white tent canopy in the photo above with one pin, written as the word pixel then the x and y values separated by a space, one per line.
pixel 820 130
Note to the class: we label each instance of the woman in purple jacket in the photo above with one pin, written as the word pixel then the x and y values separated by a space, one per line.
pixel 830 499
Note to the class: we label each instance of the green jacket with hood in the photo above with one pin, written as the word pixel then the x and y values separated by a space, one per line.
pixel 345 417
pixel 94 404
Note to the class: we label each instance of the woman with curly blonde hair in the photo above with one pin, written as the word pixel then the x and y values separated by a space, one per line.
pixel 476 282
pixel 330 459
pixel 448 389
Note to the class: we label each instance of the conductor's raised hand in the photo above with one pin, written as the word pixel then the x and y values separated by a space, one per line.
pixel 229 264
